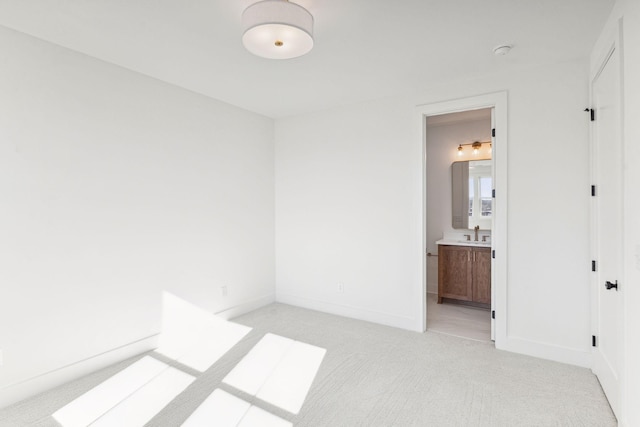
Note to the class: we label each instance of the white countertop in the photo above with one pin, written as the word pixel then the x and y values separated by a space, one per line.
pixel 463 243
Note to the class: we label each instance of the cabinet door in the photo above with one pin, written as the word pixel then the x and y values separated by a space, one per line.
pixel 454 273
pixel 482 275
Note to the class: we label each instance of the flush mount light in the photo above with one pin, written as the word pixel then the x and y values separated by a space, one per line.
pixel 277 29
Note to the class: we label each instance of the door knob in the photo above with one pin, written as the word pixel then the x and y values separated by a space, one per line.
pixel 610 285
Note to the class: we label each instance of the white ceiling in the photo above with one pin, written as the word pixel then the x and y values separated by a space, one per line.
pixel 364 49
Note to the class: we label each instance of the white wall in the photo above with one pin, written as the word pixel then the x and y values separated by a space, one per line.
pixel 348 208
pixel 442 143
pixel 116 187
pixel 629 12
pixel 348 211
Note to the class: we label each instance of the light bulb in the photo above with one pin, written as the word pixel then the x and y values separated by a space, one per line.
pixel 459 150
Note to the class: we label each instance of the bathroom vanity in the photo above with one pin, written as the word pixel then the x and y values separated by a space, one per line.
pixel 464 272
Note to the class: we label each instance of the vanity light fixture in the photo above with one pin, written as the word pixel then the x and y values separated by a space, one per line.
pixel 475 146
pixel 277 29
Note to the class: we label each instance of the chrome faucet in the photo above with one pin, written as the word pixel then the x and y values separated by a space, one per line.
pixel 475 229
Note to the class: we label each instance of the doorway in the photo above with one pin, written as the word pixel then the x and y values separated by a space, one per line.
pixel 497 102
pixel 459 220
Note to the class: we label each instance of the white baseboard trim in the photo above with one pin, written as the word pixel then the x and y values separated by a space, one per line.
pixel 359 313
pixel 571 356
pixel 30 387
pixel 247 306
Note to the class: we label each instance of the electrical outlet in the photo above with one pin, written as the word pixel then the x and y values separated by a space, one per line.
pixel 341 287
pixel 223 291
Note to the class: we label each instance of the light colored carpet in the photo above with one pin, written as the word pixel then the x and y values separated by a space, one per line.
pixel 459 320
pixel 374 375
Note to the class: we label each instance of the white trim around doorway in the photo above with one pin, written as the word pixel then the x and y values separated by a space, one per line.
pixel 497 101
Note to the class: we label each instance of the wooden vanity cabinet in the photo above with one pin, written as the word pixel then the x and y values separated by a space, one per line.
pixel 464 273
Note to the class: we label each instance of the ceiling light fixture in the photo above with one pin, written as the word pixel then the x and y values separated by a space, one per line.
pixel 277 29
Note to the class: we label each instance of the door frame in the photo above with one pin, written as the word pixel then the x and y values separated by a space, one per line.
pixel 497 101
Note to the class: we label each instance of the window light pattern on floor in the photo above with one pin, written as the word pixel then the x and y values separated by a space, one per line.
pixel 222 409
pixel 144 404
pixel 130 397
pixel 278 370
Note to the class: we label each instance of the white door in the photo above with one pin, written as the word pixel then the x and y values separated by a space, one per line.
pixel 607 163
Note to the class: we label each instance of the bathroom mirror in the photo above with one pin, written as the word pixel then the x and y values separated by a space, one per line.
pixel 471 187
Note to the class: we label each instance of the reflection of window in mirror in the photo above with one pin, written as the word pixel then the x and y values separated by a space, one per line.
pixel 482 206
pixel 472 186
pixel 471 194
pixel 480 200
pixel 485 196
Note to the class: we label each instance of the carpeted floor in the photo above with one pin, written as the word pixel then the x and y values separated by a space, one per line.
pixel 374 375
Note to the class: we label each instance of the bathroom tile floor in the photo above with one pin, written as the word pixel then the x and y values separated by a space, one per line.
pixel 458 320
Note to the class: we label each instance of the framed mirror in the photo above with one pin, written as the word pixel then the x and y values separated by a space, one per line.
pixel 471 187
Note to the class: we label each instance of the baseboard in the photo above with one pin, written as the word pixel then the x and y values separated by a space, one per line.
pixel 18 391
pixel 247 306
pixel 556 353
pixel 359 313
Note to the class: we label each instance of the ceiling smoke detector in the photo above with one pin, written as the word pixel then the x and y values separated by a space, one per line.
pixel 502 49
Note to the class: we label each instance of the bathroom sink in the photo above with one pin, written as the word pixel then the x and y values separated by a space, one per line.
pixel 463 242
pixel 473 242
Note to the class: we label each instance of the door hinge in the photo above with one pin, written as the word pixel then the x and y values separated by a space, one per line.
pixel 493 314
pixel 493 132
pixel 593 265
pixel 593 341
pixel 493 193
pixel 493 253
pixel 592 113
pixel 593 191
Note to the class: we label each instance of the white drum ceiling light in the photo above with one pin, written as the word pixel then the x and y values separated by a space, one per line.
pixel 277 29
